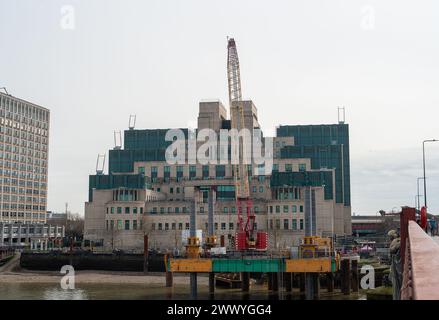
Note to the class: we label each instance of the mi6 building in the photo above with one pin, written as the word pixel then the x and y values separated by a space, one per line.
pixel 143 194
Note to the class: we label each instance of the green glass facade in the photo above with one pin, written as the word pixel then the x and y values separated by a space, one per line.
pixel 327 146
pixel 139 145
pixel 300 179
pixel 133 181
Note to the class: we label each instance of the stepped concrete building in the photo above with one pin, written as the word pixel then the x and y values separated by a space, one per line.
pixel 144 194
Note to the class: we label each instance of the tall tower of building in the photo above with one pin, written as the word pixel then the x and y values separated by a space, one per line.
pixel 24 144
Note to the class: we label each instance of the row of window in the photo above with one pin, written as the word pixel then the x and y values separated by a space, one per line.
pixel 285 208
pixel 12 106
pixel 22 206
pixel 296 224
pixel 23 160
pixel 202 209
pixel 31 230
pixel 22 173
pixel 7 214
pixel 289 167
pixel 220 172
pixel 123 225
pixel 15 156
pixel 126 210
pixel 29 176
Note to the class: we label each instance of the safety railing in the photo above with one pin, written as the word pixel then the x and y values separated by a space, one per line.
pixel 421 265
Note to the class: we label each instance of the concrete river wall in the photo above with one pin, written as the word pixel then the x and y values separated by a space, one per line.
pixel 91 261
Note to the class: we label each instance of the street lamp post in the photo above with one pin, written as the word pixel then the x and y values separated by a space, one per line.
pixel 423 159
pixel 418 195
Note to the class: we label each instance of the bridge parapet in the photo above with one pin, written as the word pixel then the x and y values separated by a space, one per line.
pixel 421 265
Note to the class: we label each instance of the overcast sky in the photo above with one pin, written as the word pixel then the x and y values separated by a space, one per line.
pixel 93 63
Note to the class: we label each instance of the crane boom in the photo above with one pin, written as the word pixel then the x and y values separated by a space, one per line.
pixel 233 73
pixel 245 237
pixel 237 118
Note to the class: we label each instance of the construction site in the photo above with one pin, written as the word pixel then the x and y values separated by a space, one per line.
pixel 228 220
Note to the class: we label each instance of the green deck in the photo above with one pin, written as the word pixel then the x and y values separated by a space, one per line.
pixel 247 265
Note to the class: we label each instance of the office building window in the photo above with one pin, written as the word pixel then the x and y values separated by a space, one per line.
pixel 192 172
pixel 119 209
pixel 220 171
pixel 294 208
pixel 301 208
pixel 127 209
pixel 223 226
pixel 205 172
pixel 134 224
pixel 285 209
pixel 179 172
pixel 301 224
pixel 153 173
pixel 166 172
pixel 294 224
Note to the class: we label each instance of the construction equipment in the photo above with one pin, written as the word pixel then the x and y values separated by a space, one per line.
pixel 315 247
pixel 245 238
pixel 193 242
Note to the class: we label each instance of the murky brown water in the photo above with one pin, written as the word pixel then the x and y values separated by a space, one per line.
pixel 41 291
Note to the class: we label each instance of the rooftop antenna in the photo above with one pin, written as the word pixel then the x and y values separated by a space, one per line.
pixel 100 166
pixel 341 114
pixel 117 140
pixel 4 89
pixel 132 122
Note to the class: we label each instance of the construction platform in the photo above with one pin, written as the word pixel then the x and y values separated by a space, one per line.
pixel 308 265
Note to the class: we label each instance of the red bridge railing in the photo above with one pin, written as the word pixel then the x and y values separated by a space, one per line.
pixel 421 264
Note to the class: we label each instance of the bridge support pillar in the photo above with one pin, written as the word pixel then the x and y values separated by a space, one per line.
pixel 346 277
pixel 211 284
pixel 330 281
pixel 288 276
pixel 193 283
pixel 355 277
pixel 169 279
pixel 245 280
